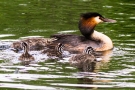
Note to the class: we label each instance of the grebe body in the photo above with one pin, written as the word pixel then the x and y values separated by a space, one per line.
pixel 95 39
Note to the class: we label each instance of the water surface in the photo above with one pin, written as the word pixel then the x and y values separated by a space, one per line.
pixel 24 18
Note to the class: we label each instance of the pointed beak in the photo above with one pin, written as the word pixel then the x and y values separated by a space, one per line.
pixel 107 20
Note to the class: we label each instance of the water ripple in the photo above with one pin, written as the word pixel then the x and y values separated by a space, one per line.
pixel 24 86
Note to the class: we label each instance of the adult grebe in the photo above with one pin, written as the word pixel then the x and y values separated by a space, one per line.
pixel 95 39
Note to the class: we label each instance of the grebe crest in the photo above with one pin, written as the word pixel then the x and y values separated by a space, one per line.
pixel 88 22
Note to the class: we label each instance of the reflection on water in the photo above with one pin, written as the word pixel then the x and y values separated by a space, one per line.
pixel 6 35
pixel 26 18
pixel 58 73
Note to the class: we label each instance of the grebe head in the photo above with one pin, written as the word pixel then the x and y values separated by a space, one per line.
pixel 25 47
pixel 59 48
pixel 24 44
pixel 89 50
pixel 88 22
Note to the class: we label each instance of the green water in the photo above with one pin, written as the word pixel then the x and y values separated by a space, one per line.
pixel 22 18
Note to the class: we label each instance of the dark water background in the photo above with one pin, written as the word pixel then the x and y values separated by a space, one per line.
pixel 23 18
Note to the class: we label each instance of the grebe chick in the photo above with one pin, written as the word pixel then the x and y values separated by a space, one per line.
pixel 54 50
pixel 95 39
pixel 35 43
pixel 26 57
pixel 85 61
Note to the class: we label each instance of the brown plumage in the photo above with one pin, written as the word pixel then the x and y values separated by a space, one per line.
pixel 34 43
pixel 26 57
pixel 55 49
pixel 85 61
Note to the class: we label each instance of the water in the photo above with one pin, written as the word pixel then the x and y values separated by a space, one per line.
pixel 24 18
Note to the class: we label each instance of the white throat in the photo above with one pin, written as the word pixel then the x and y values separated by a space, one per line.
pixel 104 39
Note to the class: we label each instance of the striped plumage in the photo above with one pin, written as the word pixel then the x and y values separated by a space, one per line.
pixel 54 49
pixel 85 61
pixel 59 48
pixel 89 50
pixel 26 57
pixel 35 43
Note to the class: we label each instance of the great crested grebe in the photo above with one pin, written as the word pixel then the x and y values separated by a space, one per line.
pixel 95 39
pixel 26 57
pixel 85 61
pixel 54 50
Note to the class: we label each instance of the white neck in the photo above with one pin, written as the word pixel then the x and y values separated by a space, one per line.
pixel 105 40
